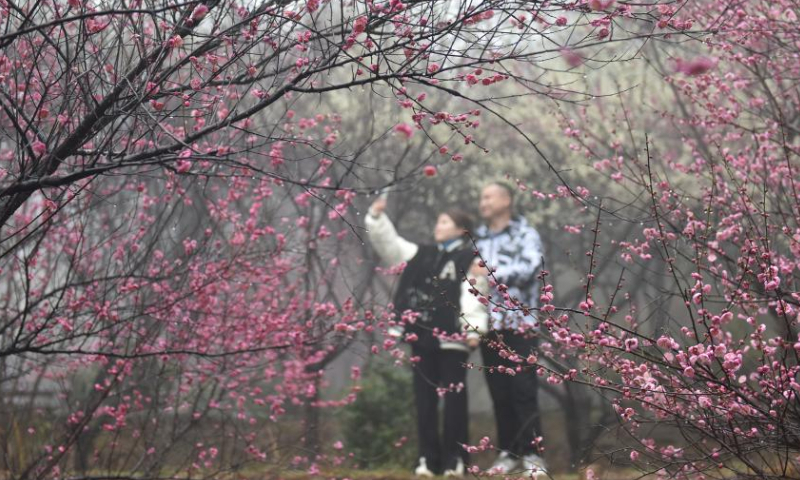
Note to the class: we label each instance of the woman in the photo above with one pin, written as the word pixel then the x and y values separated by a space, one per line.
pixel 442 322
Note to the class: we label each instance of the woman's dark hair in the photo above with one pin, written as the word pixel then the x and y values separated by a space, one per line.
pixel 460 218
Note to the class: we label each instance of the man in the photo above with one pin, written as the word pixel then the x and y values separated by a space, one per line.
pixel 513 250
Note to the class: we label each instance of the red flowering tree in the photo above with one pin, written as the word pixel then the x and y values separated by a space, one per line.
pixel 701 160
pixel 172 230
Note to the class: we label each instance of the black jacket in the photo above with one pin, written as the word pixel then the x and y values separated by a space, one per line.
pixel 431 286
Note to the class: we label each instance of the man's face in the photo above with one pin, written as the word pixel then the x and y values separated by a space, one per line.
pixel 494 201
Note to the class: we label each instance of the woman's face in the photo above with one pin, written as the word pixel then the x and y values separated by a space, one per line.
pixel 446 229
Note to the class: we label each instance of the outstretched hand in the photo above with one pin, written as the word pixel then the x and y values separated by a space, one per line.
pixel 377 207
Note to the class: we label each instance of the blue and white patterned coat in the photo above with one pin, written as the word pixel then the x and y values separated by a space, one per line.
pixel 516 255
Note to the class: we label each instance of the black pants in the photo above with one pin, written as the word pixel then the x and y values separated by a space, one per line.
pixel 515 398
pixel 441 368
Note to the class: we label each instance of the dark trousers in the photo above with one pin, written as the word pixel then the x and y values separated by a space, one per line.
pixel 441 368
pixel 515 398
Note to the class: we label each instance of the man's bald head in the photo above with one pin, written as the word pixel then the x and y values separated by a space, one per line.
pixel 497 199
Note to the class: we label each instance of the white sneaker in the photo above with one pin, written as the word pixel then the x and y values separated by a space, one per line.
pixel 504 464
pixel 534 466
pixel 458 471
pixel 422 469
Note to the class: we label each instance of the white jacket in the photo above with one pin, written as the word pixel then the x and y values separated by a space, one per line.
pixel 394 249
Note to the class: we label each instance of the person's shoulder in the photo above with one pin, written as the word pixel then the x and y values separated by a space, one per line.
pixel 465 253
pixel 520 225
pixel 423 255
pixel 522 231
pixel 481 233
pixel 427 250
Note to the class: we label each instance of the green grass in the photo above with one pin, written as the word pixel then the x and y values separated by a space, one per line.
pixel 398 474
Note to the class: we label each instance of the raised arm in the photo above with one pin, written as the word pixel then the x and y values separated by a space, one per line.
pixel 391 247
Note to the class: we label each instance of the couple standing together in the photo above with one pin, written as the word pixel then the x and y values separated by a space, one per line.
pixel 438 314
